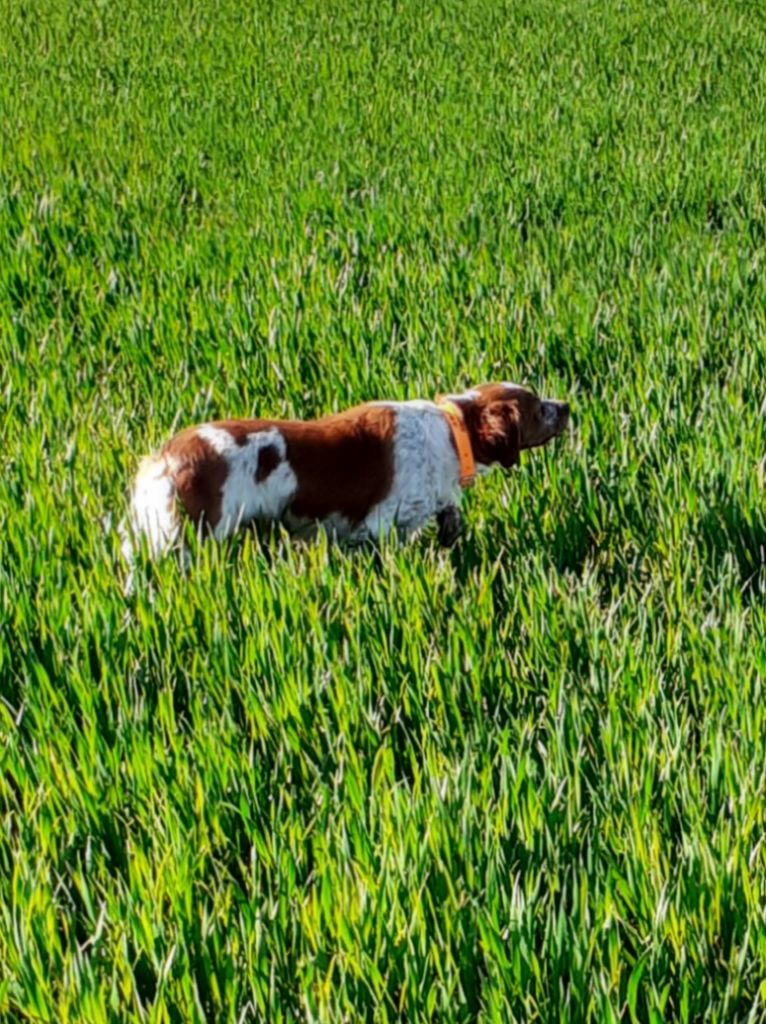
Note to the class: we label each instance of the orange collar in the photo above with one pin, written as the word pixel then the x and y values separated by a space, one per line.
pixel 454 416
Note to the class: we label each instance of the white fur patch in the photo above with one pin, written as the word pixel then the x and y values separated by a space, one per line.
pixel 242 497
pixel 426 471
pixel 153 510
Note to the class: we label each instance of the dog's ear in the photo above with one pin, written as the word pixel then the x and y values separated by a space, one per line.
pixel 511 445
pixel 502 424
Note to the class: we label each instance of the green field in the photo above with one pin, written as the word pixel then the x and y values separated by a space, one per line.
pixel 521 780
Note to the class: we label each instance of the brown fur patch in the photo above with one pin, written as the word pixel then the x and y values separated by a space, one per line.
pixel 489 425
pixel 268 460
pixel 344 463
pixel 199 475
pixel 240 430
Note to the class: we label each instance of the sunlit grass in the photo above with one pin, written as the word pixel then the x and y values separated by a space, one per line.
pixel 521 780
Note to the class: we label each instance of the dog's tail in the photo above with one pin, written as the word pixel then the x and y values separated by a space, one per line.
pixel 153 511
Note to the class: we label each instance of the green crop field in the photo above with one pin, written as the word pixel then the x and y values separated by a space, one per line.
pixel 520 780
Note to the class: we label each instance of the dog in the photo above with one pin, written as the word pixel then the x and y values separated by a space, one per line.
pixel 377 468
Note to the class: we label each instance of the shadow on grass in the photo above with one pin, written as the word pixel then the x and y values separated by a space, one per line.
pixel 729 531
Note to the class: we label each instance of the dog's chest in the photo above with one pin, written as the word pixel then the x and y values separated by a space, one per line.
pixel 425 476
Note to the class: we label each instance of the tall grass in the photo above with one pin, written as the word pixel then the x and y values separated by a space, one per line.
pixel 521 780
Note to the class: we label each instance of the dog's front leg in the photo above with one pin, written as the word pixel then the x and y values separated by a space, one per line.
pixel 449 525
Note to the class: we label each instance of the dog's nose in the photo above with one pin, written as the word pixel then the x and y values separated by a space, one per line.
pixel 562 413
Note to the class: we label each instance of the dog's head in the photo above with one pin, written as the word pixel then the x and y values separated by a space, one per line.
pixel 504 419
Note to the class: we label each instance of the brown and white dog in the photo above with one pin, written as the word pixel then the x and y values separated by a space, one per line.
pixel 358 474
